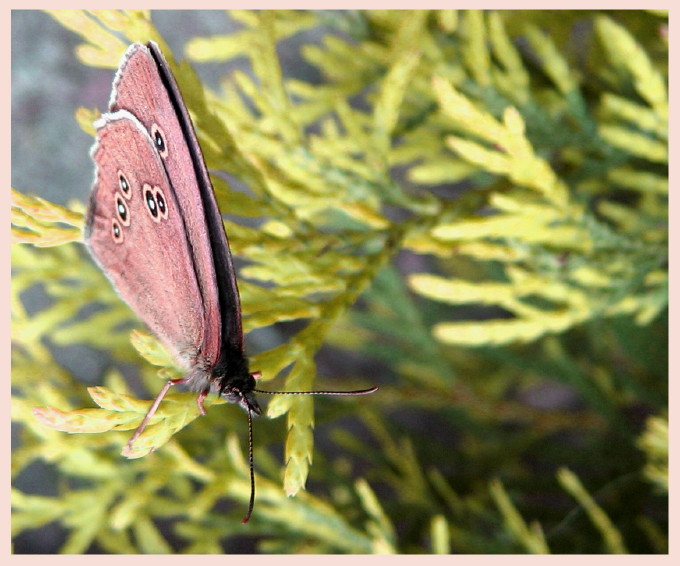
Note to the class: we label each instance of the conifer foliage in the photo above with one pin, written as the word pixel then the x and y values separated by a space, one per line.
pixel 472 208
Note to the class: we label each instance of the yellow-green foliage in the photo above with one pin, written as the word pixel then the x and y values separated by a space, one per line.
pixel 548 264
pixel 654 442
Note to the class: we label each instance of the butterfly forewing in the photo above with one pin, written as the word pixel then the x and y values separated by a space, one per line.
pixel 158 104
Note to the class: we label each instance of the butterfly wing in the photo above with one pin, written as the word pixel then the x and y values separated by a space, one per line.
pixel 136 232
pixel 145 86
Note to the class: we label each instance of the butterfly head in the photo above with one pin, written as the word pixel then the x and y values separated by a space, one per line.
pixel 238 389
pixel 233 380
pixel 242 397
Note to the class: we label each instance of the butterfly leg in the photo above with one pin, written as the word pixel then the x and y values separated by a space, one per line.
pixel 199 400
pixel 150 413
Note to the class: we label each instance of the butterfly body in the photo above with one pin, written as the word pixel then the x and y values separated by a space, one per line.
pixel 154 228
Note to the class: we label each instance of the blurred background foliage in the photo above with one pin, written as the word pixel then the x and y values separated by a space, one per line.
pixel 466 208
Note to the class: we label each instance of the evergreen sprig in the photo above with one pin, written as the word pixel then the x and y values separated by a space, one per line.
pixel 526 185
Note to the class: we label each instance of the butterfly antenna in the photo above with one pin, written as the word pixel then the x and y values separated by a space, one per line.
pixel 250 432
pixel 346 393
pixel 250 463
